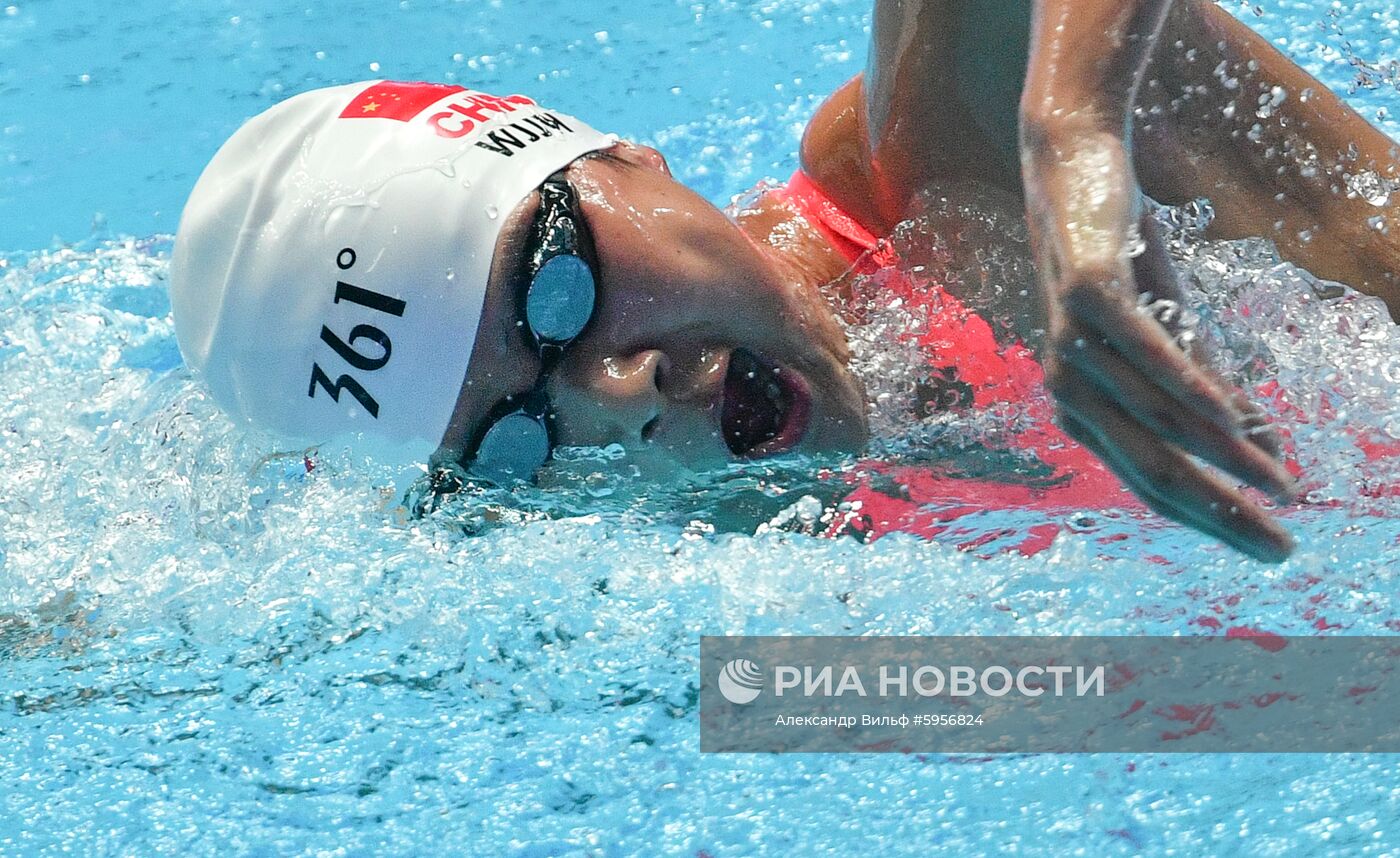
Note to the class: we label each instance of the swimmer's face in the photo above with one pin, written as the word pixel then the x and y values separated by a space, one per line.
pixel 700 350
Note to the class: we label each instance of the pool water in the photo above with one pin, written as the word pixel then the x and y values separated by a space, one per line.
pixel 211 643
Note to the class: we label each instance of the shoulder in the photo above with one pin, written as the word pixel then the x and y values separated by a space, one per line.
pixel 837 157
pixel 876 174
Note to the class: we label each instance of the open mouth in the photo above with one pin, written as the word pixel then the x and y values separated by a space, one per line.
pixel 765 409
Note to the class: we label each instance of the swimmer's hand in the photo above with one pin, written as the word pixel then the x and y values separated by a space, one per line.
pixel 1125 388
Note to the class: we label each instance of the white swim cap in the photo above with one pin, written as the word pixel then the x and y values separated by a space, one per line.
pixel 331 264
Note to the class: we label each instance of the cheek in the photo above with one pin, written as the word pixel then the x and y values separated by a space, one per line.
pixel 499 356
pixel 576 422
pixel 663 260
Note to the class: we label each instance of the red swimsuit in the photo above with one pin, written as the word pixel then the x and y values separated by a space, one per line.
pixel 1065 477
pixel 961 346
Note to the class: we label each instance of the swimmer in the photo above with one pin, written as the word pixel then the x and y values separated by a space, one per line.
pixel 477 278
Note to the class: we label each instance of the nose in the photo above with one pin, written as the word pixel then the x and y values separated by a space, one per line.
pixel 654 159
pixel 612 399
pixel 645 156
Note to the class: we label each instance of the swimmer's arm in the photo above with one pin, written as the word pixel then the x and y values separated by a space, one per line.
pixel 905 124
pixel 942 98
pixel 1123 386
pixel 1226 116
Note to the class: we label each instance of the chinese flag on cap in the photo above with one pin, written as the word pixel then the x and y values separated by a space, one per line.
pixel 393 100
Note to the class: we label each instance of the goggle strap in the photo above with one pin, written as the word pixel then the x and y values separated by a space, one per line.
pixel 558 233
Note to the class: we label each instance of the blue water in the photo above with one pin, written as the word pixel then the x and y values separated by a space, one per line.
pixel 208 649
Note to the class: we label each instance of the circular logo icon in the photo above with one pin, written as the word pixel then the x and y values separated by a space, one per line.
pixel 740 681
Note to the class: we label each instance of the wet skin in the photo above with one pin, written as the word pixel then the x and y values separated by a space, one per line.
pixel 1103 101
pixel 680 289
pixel 1075 107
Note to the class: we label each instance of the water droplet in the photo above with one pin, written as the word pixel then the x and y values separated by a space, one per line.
pixel 596 484
pixel 1271 101
pixel 1371 187
pixel 492 212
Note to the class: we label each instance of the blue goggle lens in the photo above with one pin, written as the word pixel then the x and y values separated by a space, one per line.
pixel 513 449
pixel 560 300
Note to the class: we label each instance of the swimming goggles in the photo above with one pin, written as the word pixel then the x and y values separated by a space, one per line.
pixel 557 302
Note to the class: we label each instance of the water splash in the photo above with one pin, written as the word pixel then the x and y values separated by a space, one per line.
pixel 200 620
pixel 209 647
pixel 1317 354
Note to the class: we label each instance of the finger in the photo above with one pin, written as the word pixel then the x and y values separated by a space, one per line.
pixel 1174 486
pixel 1157 275
pixel 1140 397
pixel 1146 345
pixel 1153 269
pixel 1244 527
pixel 1257 428
pixel 1254 420
pixel 1144 490
pixel 1161 295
